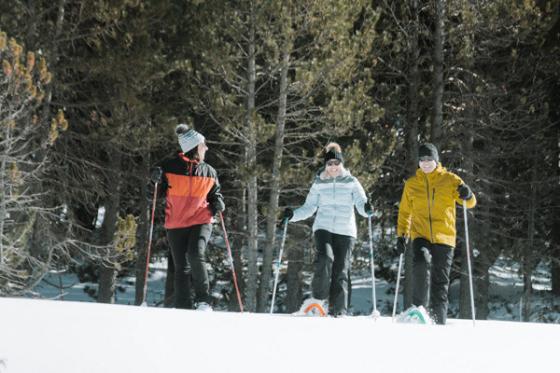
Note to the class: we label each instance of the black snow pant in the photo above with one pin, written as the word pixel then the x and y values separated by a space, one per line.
pixel 332 268
pixel 438 261
pixel 188 248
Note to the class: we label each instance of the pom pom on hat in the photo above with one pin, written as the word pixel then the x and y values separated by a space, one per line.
pixel 333 151
pixel 188 137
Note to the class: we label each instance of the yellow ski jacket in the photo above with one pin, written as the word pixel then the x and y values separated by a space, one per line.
pixel 428 206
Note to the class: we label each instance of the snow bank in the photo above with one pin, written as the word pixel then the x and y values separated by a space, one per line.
pixel 69 337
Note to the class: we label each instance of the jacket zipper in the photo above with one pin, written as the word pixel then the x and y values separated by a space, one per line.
pixel 430 207
pixel 190 179
pixel 334 199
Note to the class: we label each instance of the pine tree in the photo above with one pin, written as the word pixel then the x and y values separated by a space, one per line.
pixel 491 109
pixel 25 142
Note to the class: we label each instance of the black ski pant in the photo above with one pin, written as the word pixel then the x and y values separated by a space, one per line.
pixel 437 260
pixel 332 268
pixel 188 249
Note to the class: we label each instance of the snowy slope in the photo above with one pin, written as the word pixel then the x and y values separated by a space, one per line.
pixel 69 337
pixel 506 290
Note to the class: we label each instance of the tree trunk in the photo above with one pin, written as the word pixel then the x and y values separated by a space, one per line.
pixel 488 255
pixel 555 270
pixel 32 20
pixel 238 242
pixel 295 247
pixel 107 284
pixel 142 237
pixel 252 191
pixel 412 130
pixel 39 243
pixel 4 186
pixel 482 292
pixel 53 57
pixel 556 227
pixel 528 250
pixel 439 40
pixel 275 186
pixel 107 269
pixel 468 165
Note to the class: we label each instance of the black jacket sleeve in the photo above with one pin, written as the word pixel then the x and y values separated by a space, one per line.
pixel 215 197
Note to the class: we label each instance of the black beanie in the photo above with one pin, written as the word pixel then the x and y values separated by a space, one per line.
pixel 428 150
pixel 332 154
pixel 333 151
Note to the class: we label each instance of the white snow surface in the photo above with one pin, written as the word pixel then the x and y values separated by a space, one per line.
pixel 69 337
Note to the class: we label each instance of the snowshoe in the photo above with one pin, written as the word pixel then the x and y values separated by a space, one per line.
pixel 313 307
pixel 414 315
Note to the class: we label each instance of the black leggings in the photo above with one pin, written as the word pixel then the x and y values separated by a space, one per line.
pixel 332 268
pixel 438 261
pixel 188 248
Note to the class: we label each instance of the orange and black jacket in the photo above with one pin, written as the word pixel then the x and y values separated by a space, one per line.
pixel 192 192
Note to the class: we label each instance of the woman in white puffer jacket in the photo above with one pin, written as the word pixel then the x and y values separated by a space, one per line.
pixel 333 196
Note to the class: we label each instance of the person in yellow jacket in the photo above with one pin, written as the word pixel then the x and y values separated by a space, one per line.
pixel 427 215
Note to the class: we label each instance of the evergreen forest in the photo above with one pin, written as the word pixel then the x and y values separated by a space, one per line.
pixel 91 92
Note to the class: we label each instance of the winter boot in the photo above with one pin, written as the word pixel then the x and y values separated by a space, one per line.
pixel 203 306
pixel 339 315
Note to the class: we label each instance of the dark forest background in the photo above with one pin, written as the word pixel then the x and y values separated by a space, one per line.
pixel 91 92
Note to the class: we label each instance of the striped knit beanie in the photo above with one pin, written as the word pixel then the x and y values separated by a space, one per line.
pixel 188 137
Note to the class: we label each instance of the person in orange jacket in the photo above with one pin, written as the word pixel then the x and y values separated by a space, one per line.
pixel 193 196
pixel 427 215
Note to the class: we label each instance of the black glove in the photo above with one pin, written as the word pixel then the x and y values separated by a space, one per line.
pixel 464 192
pixel 288 214
pixel 401 245
pixel 368 209
pixel 216 208
pixel 156 174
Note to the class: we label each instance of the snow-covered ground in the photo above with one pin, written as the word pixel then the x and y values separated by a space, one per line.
pixel 68 337
pixel 506 288
pixel 77 335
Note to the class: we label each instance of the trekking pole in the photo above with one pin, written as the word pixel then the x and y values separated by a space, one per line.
pixel 469 260
pixel 397 288
pixel 231 261
pixel 149 249
pixel 277 272
pixel 375 312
